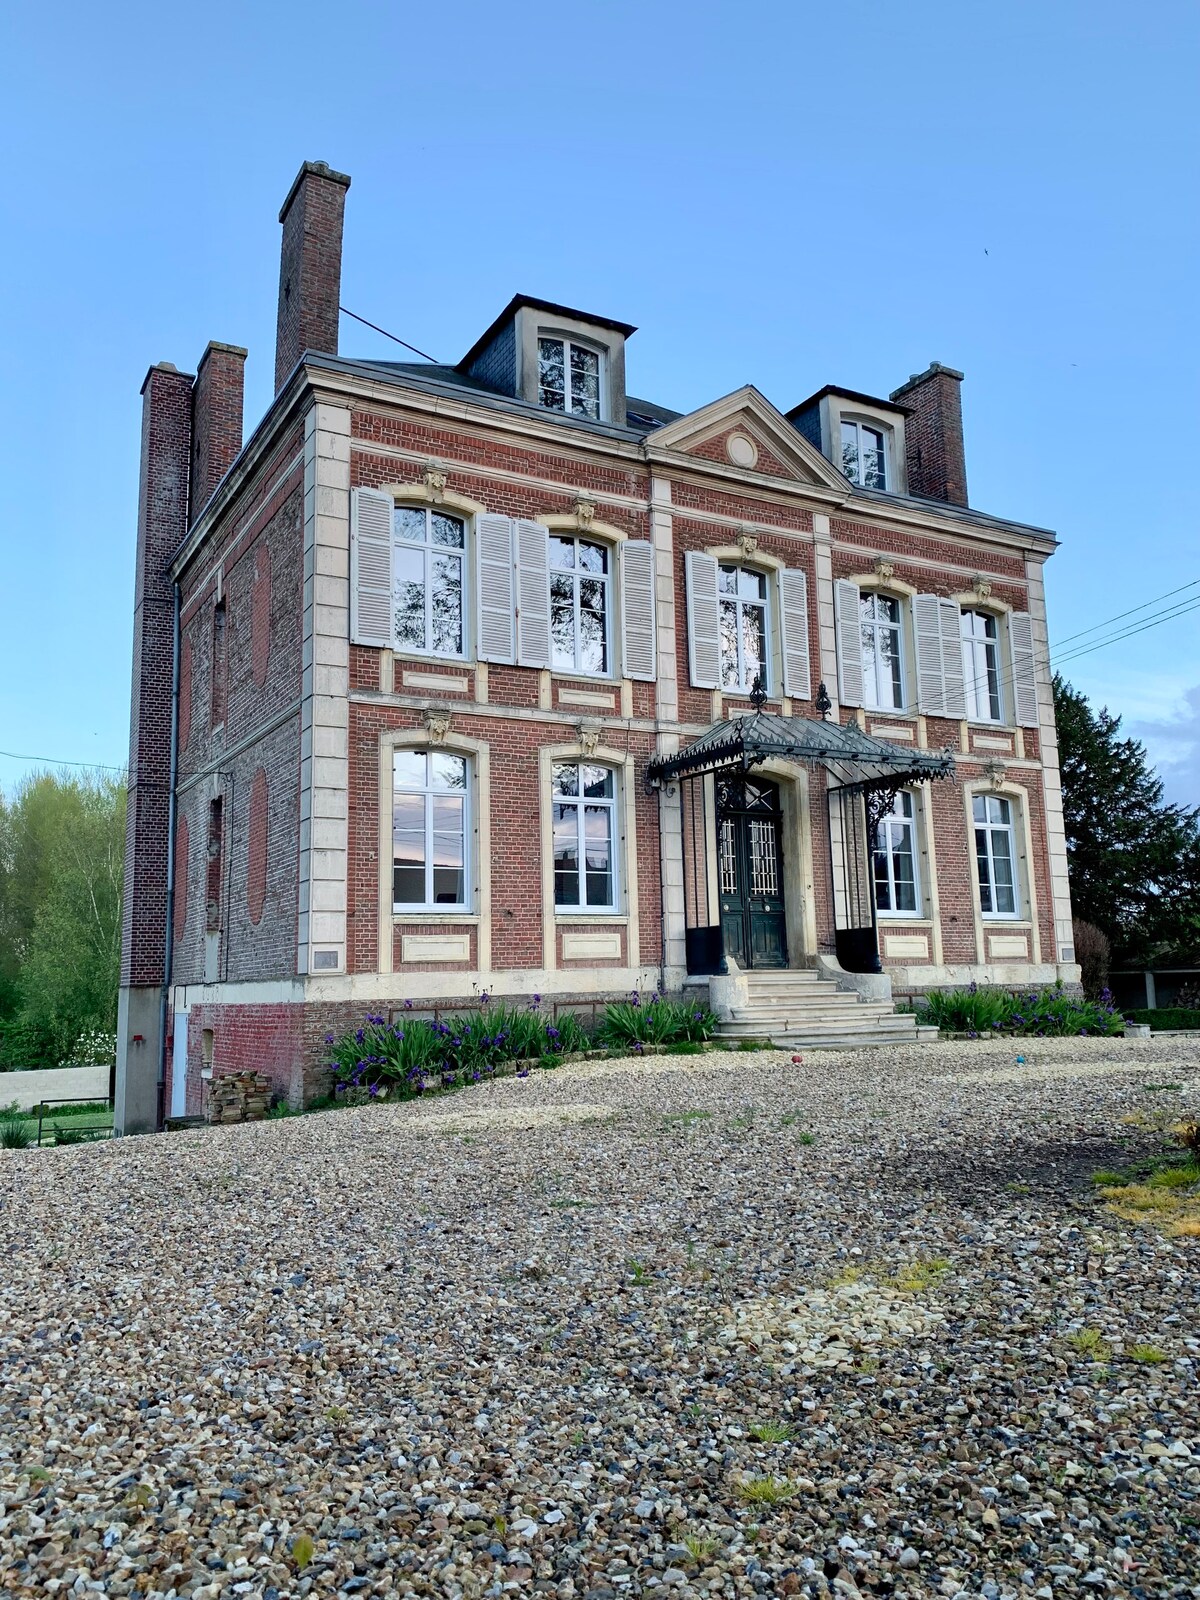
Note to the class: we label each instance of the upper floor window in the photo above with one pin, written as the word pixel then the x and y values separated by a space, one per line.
pixel 895 859
pixel 428 580
pixel 430 805
pixel 995 854
pixel 882 652
pixel 569 378
pixel 742 608
pixel 584 824
pixel 981 666
pixel 864 454
pixel 579 605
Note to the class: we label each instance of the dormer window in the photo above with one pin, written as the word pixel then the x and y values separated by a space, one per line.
pixel 864 454
pixel 569 377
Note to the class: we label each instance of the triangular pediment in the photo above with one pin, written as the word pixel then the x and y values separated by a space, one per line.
pixel 745 433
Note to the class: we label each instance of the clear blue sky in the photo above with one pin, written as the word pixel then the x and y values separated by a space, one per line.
pixel 782 194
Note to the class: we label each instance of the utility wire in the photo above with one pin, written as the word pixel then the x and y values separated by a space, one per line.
pixel 53 761
pixel 1130 613
pixel 387 335
pixel 1128 633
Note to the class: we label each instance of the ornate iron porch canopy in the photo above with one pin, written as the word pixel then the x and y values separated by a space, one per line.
pixel 852 756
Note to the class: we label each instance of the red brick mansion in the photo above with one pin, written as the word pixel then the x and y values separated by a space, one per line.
pixel 491 677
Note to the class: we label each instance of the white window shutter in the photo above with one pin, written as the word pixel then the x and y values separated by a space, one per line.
pixel 1020 639
pixel 793 616
pixel 927 634
pixel 849 642
pixel 533 594
pixel 637 609
pixel 953 673
pixel 704 623
pixel 497 602
pixel 371 609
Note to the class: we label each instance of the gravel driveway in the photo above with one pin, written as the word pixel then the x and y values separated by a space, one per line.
pixel 696 1325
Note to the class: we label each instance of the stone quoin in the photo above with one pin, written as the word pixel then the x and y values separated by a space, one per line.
pixel 493 677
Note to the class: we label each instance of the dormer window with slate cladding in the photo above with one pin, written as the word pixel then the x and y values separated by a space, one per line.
pixel 561 360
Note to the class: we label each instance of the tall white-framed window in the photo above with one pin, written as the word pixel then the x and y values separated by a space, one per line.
pixel 744 628
pixel 569 377
pixel 897 888
pixel 584 818
pixel 580 605
pixel 996 855
pixel 429 580
pixel 981 666
pixel 431 807
pixel 864 454
pixel 882 651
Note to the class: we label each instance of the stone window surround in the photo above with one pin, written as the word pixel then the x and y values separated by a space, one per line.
pixel 533 324
pixel 577 526
pixel 625 845
pixel 479 850
pixel 429 495
pixel 748 554
pixel 1027 918
pixel 887 421
pixel 895 589
pixel 929 919
pixel 975 600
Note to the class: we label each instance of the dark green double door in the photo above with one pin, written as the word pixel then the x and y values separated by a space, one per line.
pixel 750 872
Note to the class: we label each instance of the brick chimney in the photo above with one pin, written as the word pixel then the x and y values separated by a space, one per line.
pixel 310 266
pixel 216 419
pixel 162 524
pixel 933 434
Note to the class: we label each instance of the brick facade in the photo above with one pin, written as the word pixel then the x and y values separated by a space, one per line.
pixel 287 725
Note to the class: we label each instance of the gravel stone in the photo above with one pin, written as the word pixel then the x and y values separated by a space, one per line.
pixel 722 1325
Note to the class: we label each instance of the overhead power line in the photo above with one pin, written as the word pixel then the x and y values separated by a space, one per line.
pixel 1096 628
pixel 55 761
pixel 377 329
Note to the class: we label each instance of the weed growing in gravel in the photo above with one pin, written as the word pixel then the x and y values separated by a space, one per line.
pixel 302 1551
pixel 1090 1343
pixel 338 1413
pixel 1149 1355
pixel 769 1491
pixel 686 1118
pixel 700 1546
pixel 638 1271
pixel 1162 1088
pixel 15 1133
pixel 770 1432
pixel 806 1138
pixel 916 1277
pixel 37 1474
pixel 1187 1134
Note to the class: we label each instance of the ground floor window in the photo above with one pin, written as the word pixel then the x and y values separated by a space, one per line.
pixel 995 853
pixel 584 807
pixel 430 805
pixel 895 859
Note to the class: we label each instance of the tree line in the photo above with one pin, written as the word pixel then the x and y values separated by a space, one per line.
pixel 1134 866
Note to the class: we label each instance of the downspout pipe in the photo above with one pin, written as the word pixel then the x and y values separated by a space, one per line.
pixel 169 941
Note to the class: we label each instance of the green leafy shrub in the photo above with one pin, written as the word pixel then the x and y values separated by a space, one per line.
pixel 634 1023
pixel 1166 1016
pixel 1044 1013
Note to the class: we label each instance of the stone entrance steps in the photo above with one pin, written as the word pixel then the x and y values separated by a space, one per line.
pixel 802 1010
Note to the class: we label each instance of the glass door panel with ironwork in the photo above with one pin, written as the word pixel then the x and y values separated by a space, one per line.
pixel 751 872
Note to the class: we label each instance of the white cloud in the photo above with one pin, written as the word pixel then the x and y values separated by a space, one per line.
pixel 1173 743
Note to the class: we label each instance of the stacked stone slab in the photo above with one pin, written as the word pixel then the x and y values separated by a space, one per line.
pixel 239 1097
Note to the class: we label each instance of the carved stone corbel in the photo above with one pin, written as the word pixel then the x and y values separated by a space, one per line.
pixel 585 512
pixel 589 737
pixel 884 570
pixel 434 479
pixel 980 587
pixel 747 539
pixel 995 772
pixel 437 723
